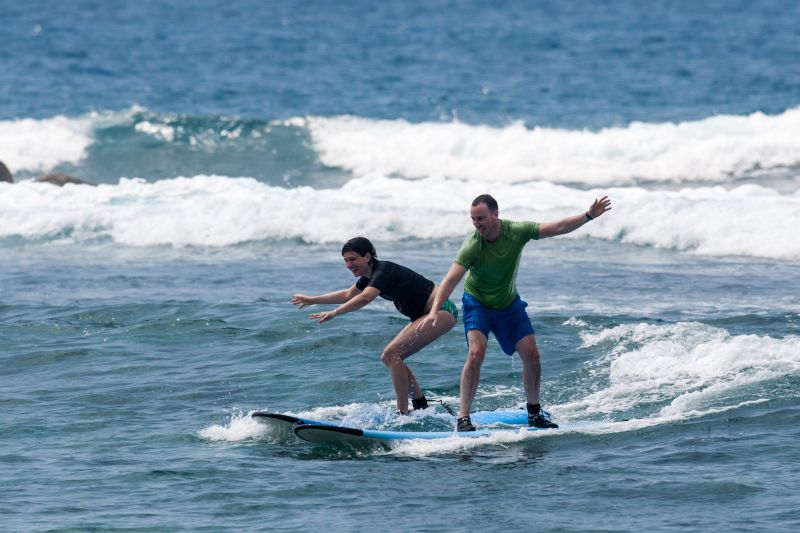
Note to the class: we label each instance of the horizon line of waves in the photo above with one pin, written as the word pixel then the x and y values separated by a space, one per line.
pixel 214 211
pixel 40 145
pixel 717 149
pixel 721 149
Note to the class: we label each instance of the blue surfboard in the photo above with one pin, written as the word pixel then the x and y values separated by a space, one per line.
pixel 340 435
pixel 322 431
pixel 512 417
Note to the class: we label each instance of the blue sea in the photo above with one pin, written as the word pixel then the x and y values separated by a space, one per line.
pixel 237 145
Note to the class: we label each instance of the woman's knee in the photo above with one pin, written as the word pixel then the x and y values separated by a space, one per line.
pixel 391 357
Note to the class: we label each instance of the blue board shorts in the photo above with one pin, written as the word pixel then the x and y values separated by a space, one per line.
pixel 509 325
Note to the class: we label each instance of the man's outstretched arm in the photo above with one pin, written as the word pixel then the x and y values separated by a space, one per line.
pixel 568 224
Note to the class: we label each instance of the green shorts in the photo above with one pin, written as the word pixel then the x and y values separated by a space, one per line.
pixel 451 308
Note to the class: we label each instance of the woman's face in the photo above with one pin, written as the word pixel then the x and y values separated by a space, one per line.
pixel 357 264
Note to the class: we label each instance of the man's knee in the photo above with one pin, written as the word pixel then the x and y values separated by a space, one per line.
pixel 531 357
pixel 476 354
pixel 528 351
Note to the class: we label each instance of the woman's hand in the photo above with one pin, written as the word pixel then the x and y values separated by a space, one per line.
pixel 323 317
pixel 301 300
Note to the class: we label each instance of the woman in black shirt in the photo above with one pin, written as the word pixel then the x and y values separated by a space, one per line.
pixel 412 295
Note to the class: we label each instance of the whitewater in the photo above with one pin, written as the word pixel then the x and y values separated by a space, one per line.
pixel 722 186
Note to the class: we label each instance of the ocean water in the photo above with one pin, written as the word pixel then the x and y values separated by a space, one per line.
pixel 235 146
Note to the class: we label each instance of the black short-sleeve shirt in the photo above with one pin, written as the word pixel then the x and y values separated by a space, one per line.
pixel 408 290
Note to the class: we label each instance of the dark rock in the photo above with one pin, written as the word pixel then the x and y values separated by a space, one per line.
pixel 55 178
pixel 61 180
pixel 5 174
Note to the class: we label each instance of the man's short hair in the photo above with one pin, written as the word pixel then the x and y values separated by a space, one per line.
pixel 490 202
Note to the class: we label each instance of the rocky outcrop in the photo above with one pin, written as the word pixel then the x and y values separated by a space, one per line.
pixel 61 180
pixel 55 179
pixel 5 174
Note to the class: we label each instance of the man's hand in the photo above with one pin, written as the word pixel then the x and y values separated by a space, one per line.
pixel 429 320
pixel 600 206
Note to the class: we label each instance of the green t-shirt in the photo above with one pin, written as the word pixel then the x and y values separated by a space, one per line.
pixel 493 266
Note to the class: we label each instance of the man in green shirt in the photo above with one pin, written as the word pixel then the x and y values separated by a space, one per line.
pixel 491 304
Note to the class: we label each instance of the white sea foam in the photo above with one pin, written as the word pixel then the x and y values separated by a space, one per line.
pixel 219 211
pixel 713 149
pixel 575 322
pixel 162 132
pixel 506 439
pixel 688 368
pixel 668 373
pixel 240 427
pixel 38 145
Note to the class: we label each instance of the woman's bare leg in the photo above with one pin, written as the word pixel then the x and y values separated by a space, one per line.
pixel 409 341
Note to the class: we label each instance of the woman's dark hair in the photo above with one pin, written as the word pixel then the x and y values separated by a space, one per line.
pixel 490 202
pixel 361 246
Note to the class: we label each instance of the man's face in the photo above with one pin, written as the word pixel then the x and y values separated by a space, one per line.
pixel 485 221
